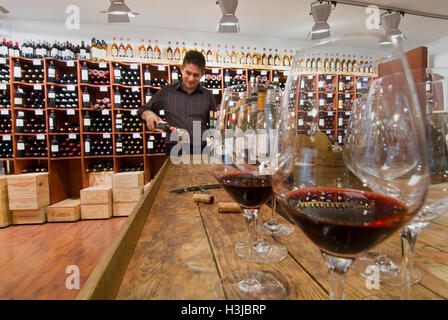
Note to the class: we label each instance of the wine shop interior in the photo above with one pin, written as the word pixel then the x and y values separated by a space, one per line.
pixel 95 204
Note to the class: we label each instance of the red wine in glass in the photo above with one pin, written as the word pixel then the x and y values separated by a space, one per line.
pixel 248 190
pixel 344 222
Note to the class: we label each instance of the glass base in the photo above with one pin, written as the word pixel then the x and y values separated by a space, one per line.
pixel 254 285
pixel 266 251
pixel 390 272
pixel 275 228
pixel 382 297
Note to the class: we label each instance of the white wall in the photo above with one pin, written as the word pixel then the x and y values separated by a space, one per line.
pixel 438 53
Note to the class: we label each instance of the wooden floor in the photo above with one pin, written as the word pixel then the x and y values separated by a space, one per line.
pixel 34 258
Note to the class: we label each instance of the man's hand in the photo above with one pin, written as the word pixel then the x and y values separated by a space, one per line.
pixel 150 118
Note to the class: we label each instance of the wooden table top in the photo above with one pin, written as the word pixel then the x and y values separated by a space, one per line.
pixel 185 247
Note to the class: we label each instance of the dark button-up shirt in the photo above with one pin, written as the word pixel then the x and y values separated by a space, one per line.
pixel 181 108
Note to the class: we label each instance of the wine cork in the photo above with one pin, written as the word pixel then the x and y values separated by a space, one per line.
pixel 203 198
pixel 228 207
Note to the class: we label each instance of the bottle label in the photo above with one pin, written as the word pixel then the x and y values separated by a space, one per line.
pixel 51 95
pixel 175 76
pixel 147 98
pixel 54 148
pixel 52 72
pixel 87 146
pixel 117 98
pixel 18 72
pixel 19 122
pixel 20 146
pixel 148 76
pixel 150 144
pixel 86 97
pixel 85 75
pixel 18 101
pixel 86 122
pixel 51 123
pixel 117 74
pixel 119 145
pixel 4 50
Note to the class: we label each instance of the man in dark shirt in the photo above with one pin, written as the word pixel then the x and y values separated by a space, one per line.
pixel 183 102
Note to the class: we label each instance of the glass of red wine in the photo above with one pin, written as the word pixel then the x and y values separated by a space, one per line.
pixel 241 162
pixel 349 204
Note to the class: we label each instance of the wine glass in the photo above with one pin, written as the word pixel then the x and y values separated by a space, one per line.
pixel 275 228
pixel 252 121
pixel 432 89
pixel 348 205
pixel 236 161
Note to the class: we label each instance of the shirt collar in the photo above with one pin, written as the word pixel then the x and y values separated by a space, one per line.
pixel 178 86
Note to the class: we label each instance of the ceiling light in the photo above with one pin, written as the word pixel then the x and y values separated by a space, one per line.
pixel 4 10
pixel 229 22
pixel 119 12
pixel 320 12
pixel 390 22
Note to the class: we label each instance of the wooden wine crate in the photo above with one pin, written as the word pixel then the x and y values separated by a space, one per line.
pixel 28 191
pixel 127 194
pixel 97 179
pixel 34 216
pixel 66 210
pixel 96 195
pixel 5 213
pixel 122 209
pixel 96 211
pixel 128 179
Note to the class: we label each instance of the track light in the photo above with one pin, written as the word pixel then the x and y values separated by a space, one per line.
pixel 229 22
pixel 390 22
pixel 320 12
pixel 119 12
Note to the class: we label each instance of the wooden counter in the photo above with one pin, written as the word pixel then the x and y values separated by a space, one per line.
pixel 173 248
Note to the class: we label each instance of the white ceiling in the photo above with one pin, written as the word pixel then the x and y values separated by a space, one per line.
pixel 282 19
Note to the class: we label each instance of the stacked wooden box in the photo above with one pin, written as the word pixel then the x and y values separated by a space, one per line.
pixel 29 196
pixel 97 179
pixel 127 191
pixel 5 213
pixel 96 202
pixel 66 210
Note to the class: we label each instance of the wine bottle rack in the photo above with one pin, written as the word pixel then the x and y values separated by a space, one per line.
pixel 326 99
pixel 85 87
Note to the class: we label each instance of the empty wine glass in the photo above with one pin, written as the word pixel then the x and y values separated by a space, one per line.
pixel 240 163
pixel 432 90
pixel 257 116
pixel 346 206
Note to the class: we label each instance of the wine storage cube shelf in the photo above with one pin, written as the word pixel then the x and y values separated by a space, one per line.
pixel 55 113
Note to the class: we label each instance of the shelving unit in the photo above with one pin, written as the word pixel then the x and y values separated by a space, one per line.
pixel 69 174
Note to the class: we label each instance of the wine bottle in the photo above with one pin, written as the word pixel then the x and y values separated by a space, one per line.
pixel 119 146
pixel 18 97
pixel 169 51
pixel 87 146
pixel 164 126
pixel 177 52
pixel 87 123
pixel 117 73
pixel 52 122
pixel 20 147
pixel 174 75
pixel 227 78
pixel 85 99
pixel 17 71
pixel 54 148
pixel 149 51
pixel 129 51
pixel 84 73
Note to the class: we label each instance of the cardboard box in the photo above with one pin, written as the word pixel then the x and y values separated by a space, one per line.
pixel 128 179
pixel 127 194
pixel 124 208
pixel 66 210
pixel 28 191
pixel 29 216
pixel 96 211
pixel 96 195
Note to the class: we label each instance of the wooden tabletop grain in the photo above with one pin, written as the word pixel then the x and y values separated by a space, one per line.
pixel 185 247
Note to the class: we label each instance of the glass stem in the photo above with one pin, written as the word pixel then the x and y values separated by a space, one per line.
pixel 274 204
pixel 250 216
pixel 408 238
pixel 337 268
